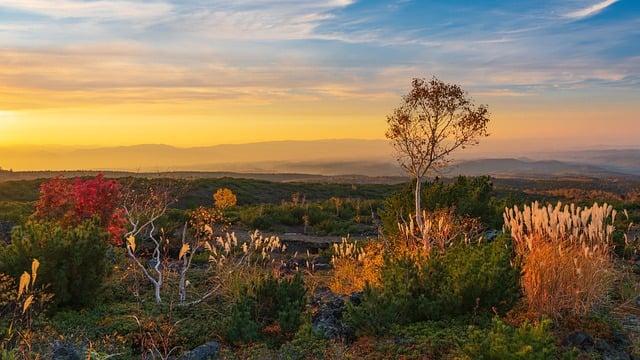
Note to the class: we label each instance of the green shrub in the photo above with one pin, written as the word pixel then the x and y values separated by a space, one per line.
pixel 73 261
pixel 397 209
pixel 467 279
pixel 272 301
pixel 503 342
pixel 468 196
pixel 8 354
pixel 241 324
pixel 305 345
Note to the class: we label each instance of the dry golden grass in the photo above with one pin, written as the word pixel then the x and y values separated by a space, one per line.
pixel 355 267
pixel 558 280
pixel 439 230
pixel 565 253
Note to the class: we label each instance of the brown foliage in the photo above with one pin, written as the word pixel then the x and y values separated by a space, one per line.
pixel 434 120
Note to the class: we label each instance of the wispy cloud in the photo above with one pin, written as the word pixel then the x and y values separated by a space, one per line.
pixel 95 9
pixel 591 10
pixel 258 19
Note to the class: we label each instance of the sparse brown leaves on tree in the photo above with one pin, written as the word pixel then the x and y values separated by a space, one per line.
pixel 434 120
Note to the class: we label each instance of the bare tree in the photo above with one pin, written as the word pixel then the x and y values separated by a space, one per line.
pixel 434 120
pixel 142 210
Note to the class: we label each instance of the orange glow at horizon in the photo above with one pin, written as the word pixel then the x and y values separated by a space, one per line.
pixel 202 123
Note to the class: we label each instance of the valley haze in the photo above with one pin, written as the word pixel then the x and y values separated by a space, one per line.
pixel 332 157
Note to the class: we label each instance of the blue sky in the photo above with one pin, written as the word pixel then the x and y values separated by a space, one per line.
pixel 275 57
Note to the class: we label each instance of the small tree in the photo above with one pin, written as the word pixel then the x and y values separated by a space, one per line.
pixel 434 120
pixel 143 209
pixel 224 198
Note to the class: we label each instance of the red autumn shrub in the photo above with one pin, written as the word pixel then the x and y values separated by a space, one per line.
pixel 71 202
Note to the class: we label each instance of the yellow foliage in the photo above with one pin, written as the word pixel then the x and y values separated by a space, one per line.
pixel 439 229
pixel 35 264
pixel 224 198
pixel 131 243
pixel 25 279
pixel 27 304
pixel 355 267
pixel 184 250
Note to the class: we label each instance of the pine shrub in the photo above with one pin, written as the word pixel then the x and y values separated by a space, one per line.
pixel 504 342
pixel 466 279
pixel 74 260
pixel 270 302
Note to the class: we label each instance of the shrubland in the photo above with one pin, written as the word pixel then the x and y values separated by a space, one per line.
pixel 451 287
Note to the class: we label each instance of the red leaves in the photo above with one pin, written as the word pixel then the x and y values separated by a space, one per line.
pixel 73 201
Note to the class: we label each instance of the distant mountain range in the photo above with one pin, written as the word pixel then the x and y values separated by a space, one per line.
pixel 323 157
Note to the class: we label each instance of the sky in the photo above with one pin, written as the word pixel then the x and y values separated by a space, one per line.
pixel 196 72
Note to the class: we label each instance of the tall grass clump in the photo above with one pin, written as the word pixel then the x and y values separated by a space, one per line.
pixel 355 266
pixel 566 256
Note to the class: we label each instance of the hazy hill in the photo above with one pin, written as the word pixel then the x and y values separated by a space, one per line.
pixel 322 157
pixel 624 160
pixel 168 158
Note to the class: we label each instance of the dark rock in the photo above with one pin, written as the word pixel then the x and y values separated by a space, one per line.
pixel 64 351
pixel 491 235
pixel 327 320
pixel 291 265
pixel 208 351
pixel 322 267
pixel 638 301
pixel 620 339
pixel 607 351
pixel 602 346
pixel 5 231
pixel 578 339
pixel 152 263
pixel 356 298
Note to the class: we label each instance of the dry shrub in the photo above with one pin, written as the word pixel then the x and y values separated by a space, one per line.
pixel 355 266
pixel 237 263
pixel 21 302
pixel 440 229
pixel 258 250
pixel 565 253
pixel 557 280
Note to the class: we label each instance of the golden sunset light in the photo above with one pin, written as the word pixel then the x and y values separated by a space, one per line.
pixel 319 179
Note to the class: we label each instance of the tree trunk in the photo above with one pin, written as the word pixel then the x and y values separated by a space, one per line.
pixel 183 284
pixel 157 286
pixel 418 200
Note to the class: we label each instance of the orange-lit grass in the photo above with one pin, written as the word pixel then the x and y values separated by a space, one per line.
pixel 355 267
pixel 565 253
pixel 572 280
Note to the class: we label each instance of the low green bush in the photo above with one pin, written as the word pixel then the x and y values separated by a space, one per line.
pixel 305 345
pixel 272 301
pixel 466 279
pixel 473 197
pixel 504 342
pixel 74 261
